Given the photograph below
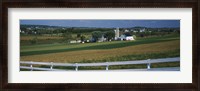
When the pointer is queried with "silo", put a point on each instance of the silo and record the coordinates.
(116, 33)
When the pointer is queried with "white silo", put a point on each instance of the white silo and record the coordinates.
(116, 33)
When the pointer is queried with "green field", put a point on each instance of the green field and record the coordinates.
(25, 40)
(142, 48)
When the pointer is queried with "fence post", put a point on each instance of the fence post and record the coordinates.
(51, 66)
(107, 66)
(148, 64)
(76, 67)
(31, 65)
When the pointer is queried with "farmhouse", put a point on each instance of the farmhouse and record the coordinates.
(126, 37)
(126, 30)
(142, 30)
(118, 36)
(102, 39)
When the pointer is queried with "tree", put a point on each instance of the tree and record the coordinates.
(109, 35)
(141, 35)
(96, 35)
(78, 35)
(67, 36)
(128, 34)
(34, 40)
(82, 38)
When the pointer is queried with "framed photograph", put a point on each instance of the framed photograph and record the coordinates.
(136, 45)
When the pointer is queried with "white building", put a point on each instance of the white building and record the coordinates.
(116, 33)
(129, 38)
(75, 41)
(102, 39)
(126, 30)
(142, 30)
(124, 37)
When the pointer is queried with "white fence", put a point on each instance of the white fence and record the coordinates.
(106, 64)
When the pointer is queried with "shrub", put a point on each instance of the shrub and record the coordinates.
(34, 40)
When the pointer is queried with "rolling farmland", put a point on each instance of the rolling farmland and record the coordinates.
(155, 47)
(120, 42)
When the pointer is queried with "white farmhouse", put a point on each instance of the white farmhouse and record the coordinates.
(142, 30)
(129, 38)
(124, 37)
(102, 39)
(126, 30)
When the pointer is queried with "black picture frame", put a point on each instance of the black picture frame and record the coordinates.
(194, 4)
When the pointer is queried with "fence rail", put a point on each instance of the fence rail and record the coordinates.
(106, 64)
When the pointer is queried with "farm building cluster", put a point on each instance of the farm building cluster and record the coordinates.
(119, 36)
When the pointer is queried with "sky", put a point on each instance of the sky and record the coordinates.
(105, 23)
